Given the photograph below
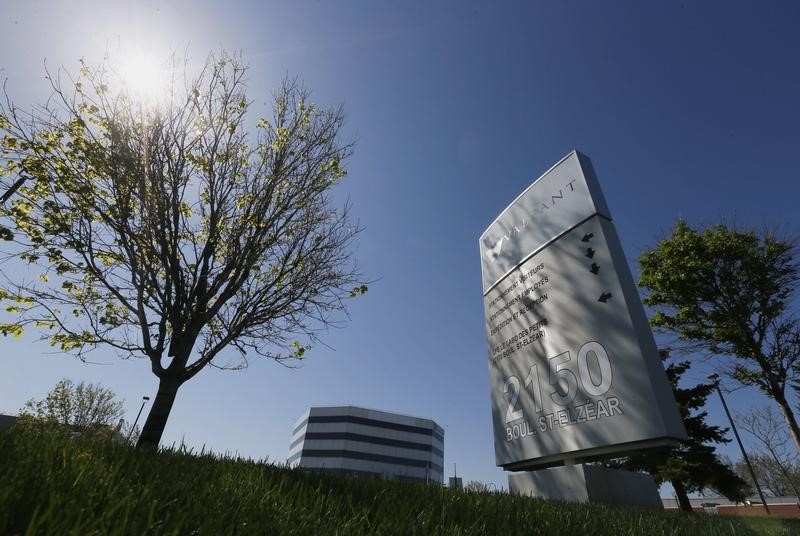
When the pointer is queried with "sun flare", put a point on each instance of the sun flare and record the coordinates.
(143, 76)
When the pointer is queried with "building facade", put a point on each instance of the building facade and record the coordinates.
(355, 440)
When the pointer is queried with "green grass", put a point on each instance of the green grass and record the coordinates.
(55, 485)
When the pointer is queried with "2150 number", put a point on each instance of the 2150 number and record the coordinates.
(563, 379)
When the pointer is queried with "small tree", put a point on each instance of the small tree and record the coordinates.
(173, 231)
(773, 442)
(729, 293)
(86, 409)
(693, 465)
(775, 479)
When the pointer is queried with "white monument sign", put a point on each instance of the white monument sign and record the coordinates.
(575, 373)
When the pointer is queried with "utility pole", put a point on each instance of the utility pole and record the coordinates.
(715, 378)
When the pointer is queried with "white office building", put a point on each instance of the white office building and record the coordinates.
(355, 440)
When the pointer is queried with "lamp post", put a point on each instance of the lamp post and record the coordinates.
(144, 401)
(715, 378)
(14, 187)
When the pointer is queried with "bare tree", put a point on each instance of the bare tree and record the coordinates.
(173, 231)
(769, 475)
(476, 486)
(769, 430)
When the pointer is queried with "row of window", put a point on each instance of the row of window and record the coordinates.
(369, 422)
(365, 456)
(362, 438)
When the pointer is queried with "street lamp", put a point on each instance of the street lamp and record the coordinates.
(144, 401)
(715, 378)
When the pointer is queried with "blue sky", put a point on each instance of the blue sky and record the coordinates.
(686, 110)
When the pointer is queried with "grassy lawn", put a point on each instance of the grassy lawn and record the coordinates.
(56, 485)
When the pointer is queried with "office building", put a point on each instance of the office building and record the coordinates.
(355, 440)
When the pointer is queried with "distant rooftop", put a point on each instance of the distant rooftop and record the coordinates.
(7, 421)
(377, 413)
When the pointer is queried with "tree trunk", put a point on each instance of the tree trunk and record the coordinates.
(159, 413)
(683, 497)
(788, 415)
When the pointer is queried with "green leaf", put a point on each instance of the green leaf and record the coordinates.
(13, 329)
(358, 291)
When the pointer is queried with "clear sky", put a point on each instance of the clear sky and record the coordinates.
(687, 109)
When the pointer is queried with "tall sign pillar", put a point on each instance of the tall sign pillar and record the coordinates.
(574, 371)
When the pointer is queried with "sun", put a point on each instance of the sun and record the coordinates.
(143, 76)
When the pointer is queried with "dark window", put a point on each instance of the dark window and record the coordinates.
(362, 438)
(369, 457)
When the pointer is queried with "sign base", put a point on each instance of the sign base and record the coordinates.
(587, 484)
